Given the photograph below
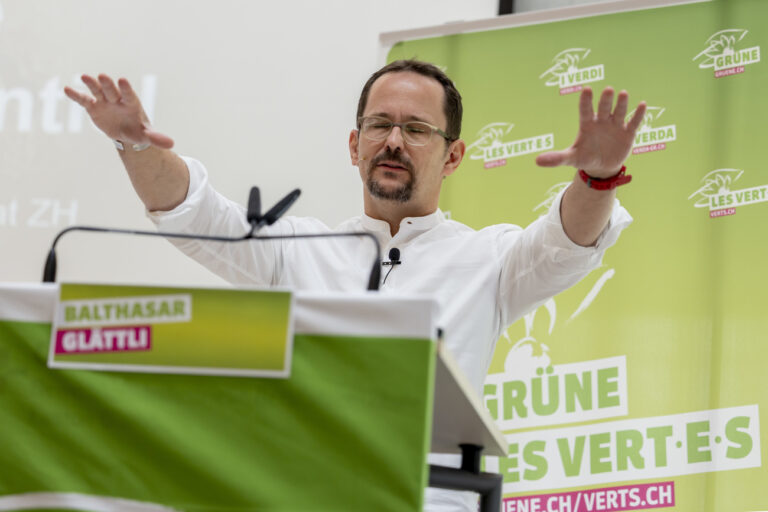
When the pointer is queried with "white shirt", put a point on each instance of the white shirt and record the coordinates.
(482, 280)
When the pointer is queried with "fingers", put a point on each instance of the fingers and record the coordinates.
(108, 88)
(621, 108)
(637, 118)
(126, 91)
(586, 113)
(94, 86)
(83, 100)
(103, 88)
(605, 104)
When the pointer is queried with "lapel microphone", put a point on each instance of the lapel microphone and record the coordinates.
(394, 259)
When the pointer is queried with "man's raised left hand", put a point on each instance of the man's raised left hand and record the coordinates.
(604, 139)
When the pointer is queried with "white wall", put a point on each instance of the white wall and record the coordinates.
(263, 92)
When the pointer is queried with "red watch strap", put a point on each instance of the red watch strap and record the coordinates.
(617, 180)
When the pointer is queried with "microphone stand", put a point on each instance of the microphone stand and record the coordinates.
(254, 218)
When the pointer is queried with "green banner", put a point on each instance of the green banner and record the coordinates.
(642, 386)
(173, 330)
(339, 434)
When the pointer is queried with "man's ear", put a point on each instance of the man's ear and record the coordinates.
(353, 147)
(453, 156)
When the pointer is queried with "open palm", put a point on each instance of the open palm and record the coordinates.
(604, 139)
(117, 111)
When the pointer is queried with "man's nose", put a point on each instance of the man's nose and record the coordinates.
(395, 138)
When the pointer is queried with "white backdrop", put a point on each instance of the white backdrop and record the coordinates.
(264, 93)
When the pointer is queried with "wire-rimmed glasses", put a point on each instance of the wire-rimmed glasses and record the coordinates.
(415, 133)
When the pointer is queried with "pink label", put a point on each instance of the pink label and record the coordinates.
(103, 339)
(721, 213)
(650, 147)
(571, 89)
(608, 499)
(729, 71)
(495, 163)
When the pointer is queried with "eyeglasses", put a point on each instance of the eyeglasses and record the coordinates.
(415, 133)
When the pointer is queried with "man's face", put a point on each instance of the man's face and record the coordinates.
(391, 169)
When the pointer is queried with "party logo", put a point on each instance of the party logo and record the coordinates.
(723, 54)
(492, 146)
(649, 137)
(568, 72)
(718, 194)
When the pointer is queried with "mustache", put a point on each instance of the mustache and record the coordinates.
(395, 157)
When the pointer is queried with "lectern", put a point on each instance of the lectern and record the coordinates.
(370, 392)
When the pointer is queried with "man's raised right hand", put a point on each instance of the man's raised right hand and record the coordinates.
(160, 177)
(117, 111)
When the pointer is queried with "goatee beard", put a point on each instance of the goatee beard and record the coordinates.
(401, 194)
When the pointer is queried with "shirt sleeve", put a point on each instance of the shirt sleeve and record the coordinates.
(206, 212)
(541, 261)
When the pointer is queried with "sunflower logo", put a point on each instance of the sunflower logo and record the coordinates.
(719, 44)
(488, 136)
(715, 183)
(563, 63)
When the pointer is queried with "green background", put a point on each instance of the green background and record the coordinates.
(686, 302)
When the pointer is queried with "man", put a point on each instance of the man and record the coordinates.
(406, 143)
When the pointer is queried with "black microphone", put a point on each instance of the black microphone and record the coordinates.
(253, 213)
(394, 259)
(252, 216)
(281, 207)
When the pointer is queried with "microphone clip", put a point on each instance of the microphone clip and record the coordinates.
(394, 258)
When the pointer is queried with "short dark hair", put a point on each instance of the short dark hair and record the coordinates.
(451, 103)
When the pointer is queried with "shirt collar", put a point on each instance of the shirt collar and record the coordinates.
(407, 224)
